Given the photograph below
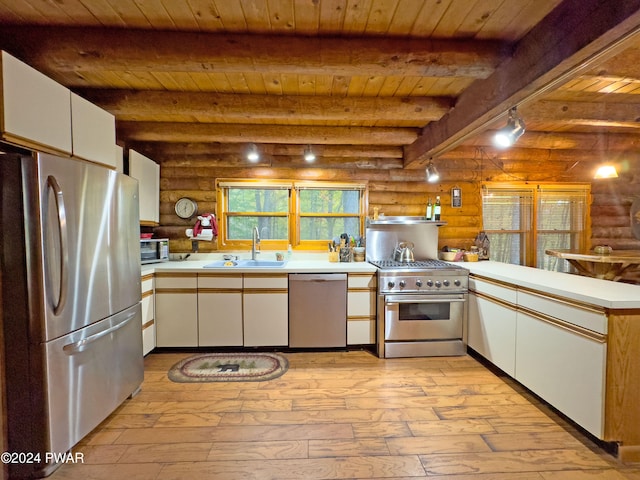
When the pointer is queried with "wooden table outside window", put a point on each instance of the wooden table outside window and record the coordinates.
(605, 266)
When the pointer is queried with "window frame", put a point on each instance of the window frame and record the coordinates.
(293, 215)
(530, 236)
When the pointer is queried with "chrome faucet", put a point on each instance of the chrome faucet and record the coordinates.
(255, 243)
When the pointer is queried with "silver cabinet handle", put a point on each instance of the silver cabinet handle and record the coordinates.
(75, 347)
(64, 250)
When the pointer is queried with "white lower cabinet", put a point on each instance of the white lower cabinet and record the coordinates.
(564, 366)
(361, 308)
(176, 310)
(220, 310)
(266, 310)
(492, 331)
(555, 347)
(148, 314)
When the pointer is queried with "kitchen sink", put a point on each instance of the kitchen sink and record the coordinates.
(247, 263)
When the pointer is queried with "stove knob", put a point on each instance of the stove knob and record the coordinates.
(445, 283)
(391, 284)
(418, 283)
(438, 284)
(457, 283)
(429, 283)
(402, 284)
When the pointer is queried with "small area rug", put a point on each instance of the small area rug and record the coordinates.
(229, 367)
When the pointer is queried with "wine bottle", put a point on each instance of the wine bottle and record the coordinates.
(429, 209)
(436, 209)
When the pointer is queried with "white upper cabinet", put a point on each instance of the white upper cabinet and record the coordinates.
(147, 172)
(36, 110)
(94, 132)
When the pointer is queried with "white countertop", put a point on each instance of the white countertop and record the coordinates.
(299, 263)
(604, 293)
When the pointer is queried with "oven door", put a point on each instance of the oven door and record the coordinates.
(424, 317)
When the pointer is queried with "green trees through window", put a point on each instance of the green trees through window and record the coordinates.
(300, 213)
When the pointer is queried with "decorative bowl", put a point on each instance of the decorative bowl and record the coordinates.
(602, 250)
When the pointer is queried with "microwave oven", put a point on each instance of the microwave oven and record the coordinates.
(154, 250)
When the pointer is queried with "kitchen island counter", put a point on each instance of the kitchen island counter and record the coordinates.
(603, 293)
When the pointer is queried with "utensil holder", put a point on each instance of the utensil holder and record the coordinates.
(334, 256)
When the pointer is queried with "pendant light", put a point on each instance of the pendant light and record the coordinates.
(252, 154)
(432, 173)
(309, 156)
(508, 135)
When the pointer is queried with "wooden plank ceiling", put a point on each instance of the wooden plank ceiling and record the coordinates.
(396, 82)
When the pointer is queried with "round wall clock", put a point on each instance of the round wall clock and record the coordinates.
(186, 208)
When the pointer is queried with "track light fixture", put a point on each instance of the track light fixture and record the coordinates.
(252, 154)
(508, 135)
(432, 173)
(309, 156)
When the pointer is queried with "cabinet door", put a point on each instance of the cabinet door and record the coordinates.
(220, 319)
(176, 311)
(266, 319)
(220, 311)
(36, 110)
(94, 132)
(148, 317)
(265, 309)
(492, 331)
(564, 367)
(147, 172)
(148, 327)
(176, 319)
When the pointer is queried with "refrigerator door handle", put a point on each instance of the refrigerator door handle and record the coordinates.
(64, 251)
(76, 347)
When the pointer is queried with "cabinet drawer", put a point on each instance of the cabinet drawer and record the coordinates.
(361, 304)
(497, 290)
(359, 280)
(266, 281)
(187, 280)
(222, 282)
(147, 284)
(147, 308)
(584, 316)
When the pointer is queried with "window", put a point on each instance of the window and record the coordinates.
(522, 221)
(304, 214)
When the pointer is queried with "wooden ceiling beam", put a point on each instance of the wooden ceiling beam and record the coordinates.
(583, 113)
(279, 161)
(594, 142)
(159, 150)
(249, 133)
(206, 106)
(572, 39)
(67, 50)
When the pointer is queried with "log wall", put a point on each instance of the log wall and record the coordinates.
(397, 191)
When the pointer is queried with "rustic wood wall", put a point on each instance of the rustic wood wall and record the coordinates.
(396, 191)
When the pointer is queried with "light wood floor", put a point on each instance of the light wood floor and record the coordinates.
(344, 415)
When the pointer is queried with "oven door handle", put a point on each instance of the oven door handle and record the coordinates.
(397, 301)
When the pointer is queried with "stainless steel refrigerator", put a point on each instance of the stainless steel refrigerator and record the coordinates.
(70, 300)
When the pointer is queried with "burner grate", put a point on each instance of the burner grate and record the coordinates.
(415, 265)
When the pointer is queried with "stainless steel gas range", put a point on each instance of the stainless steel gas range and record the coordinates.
(422, 304)
(422, 308)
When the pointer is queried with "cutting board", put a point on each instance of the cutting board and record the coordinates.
(635, 218)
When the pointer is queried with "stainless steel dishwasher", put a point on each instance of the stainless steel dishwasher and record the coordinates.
(317, 310)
